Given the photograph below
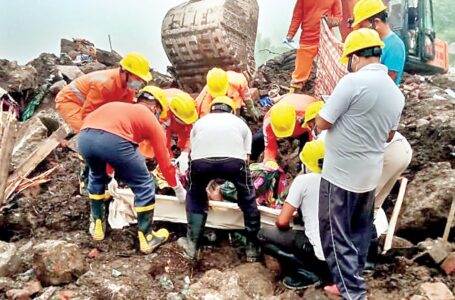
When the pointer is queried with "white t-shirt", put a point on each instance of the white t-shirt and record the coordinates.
(220, 135)
(304, 195)
(364, 107)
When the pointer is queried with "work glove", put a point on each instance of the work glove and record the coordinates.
(180, 192)
(182, 162)
(272, 165)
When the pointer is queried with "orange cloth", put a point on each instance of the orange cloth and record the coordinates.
(304, 62)
(307, 15)
(238, 91)
(300, 102)
(90, 92)
(135, 123)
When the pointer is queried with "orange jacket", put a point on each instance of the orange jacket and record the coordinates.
(308, 14)
(172, 126)
(135, 123)
(95, 89)
(300, 102)
(238, 90)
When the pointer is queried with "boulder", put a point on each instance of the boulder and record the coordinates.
(247, 281)
(9, 259)
(427, 202)
(45, 66)
(108, 58)
(57, 87)
(17, 79)
(70, 72)
(57, 262)
(92, 67)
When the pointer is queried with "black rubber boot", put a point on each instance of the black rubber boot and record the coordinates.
(149, 240)
(297, 276)
(252, 226)
(195, 232)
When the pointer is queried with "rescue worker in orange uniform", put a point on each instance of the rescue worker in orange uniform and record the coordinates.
(111, 135)
(181, 114)
(307, 15)
(285, 119)
(231, 84)
(88, 92)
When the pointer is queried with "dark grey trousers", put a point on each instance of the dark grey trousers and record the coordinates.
(345, 221)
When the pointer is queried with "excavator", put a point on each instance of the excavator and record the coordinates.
(200, 34)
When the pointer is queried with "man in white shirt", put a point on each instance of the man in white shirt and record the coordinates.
(220, 147)
(360, 116)
(299, 251)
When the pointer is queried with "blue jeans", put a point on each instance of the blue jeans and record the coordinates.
(99, 148)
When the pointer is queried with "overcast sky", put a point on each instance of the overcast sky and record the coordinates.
(30, 27)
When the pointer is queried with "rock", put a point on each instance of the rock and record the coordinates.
(398, 242)
(92, 67)
(9, 260)
(57, 87)
(7, 283)
(18, 294)
(33, 287)
(110, 289)
(418, 297)
(45, 66)
(236, 283)
(439, 251)
(422, 122)
(47, 293)
(70, 72)
(173, 296)
(449, 264)
(427, 202)
(57, 262)
(16, 78)
(436, 291)
(108, 58)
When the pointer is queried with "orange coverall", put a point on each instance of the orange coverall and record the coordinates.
(134, 123)
(300, 102)
(238, 91)
(86, 93)
(171, 126)
(307, 15)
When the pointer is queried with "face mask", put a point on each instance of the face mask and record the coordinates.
(135, 85)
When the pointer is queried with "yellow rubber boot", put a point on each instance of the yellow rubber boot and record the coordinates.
(97, 227)
(149, 240)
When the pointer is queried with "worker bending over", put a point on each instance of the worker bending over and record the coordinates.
(88, 92)
(307, 15)
(299, 251)
(360, 116)
(283, 120)
(220, 146)
(111, 135)
(373, 14)
(231, 84)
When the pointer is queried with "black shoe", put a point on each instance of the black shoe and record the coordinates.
(299, 283)
(369, 268)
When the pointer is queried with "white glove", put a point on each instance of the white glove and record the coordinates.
(183, 162)
(180, 192)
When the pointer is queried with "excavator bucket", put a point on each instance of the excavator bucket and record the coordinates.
(201, 34)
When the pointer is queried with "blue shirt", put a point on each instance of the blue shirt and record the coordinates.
(394, 55)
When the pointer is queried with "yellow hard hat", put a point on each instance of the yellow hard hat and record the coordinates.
(312, 110)
(217, 82)
(282, 119)
(184, 107)
(360, 39)
(224, 100)
(311, 153)
(151, 92)
(138, 65)
(365, 9)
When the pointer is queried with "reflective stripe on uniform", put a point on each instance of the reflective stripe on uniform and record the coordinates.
(145, 208)
(97, 197)
(77, 92)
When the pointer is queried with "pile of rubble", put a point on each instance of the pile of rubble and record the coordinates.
(46, 252)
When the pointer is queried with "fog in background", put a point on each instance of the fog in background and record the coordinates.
(30, 27)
